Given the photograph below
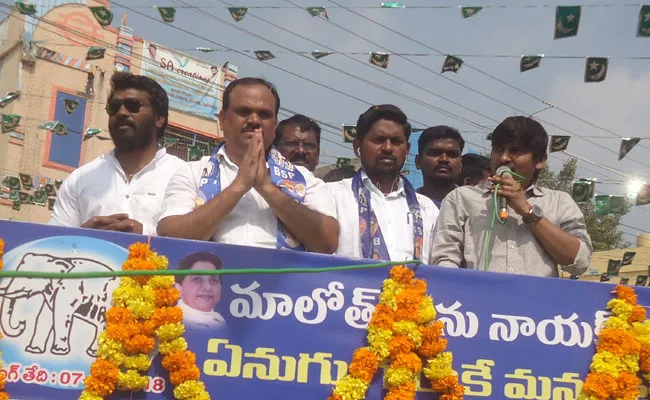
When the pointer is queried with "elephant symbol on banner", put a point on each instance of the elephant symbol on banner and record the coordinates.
(62, 301)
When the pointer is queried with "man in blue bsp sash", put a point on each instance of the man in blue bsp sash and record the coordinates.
(245, 192)
(381, 215)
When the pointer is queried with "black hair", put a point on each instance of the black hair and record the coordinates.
(474, 166)
(157, 95)
(249, 82)
(304, 123)
(189, 260)
(388, 112)
(529, 133)
(339, 174)
(439, 132)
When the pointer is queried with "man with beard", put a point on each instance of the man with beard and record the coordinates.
(123, 190)
(381, 215)
(298, 139)
(246, 192)
(439, 150)
(542, 229)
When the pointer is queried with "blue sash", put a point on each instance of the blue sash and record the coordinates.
(372, 241)
(283, 175)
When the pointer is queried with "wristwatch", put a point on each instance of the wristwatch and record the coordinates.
(534, 215)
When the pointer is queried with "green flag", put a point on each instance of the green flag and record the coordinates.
(168, 14)
(617, 205)
(567, 21)
(625, 281)
(379, 59)
(627, 144)
(60, 129)
(559, 143)
(316, 11)
(237, 13)
(70, 105)
(582, 192)
(613, 266)
(49, 189)
(628, 258)
(643, 29)
(530, 62)
(264, 55)
(169, 142)
(452, 64)
(25, 198)
(95, 53)
(596, 69)
(205, 49)
(10, 122)
(25, 8)
(16, 205)
(102, 14)
(8, 98)
(602, 204)
(27, 181)
(194, 153)
(11, 182)
(58, 183)
(50, 204)
(393, 4)
(13, 195)
(468, 12)
(349, 133)
(641, 280)
(40, 198)
(320, 54)
(340, 162)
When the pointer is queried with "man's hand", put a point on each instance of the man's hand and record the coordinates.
(513, 191)
(262, 178)
(128, 225)
(115, 222)
(248, 167)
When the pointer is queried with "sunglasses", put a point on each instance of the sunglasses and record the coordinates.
(132, 105)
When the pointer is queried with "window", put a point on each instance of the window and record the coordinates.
(124, 49)
(187, 145)
(65, 150)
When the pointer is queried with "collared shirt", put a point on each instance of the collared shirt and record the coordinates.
(464, 224)
(437, 203)
(252, 222)
(393, 216)
(101, 188)
(200, 319)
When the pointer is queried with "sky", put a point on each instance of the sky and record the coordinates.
(487, 88)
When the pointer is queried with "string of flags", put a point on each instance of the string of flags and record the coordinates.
(29, 189)
(561, 143)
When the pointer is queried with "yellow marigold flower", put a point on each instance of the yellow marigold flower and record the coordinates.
(189, 390)
(131, 380)
(85, 395)
(169, 332)
(388, 295)
(350, 388)
(427, 312)
(141, 309)
(614, 322)
(439, 366)
(409, 329)
(175, 346)
(398, 376)
(620, 308)
(161, 261)
(378, 339)
(642, 332)
(605, 362)
(140, 362)
(204, 395)
(165, 281)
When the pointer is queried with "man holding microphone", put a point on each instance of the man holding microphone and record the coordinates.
(535, 229)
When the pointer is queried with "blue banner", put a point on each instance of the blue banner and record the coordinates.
(287, 336)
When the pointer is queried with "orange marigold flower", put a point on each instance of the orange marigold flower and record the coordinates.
(628, 386)
(626, 293)
(364, 364)
(401, 274)
(407, 313)
(401, 392)
(430, 349)
(139, 250)
(599, 385)
(419, 287)
(410, 361)
(167, 297)
(446, 384)
(433, 331)
(191, 373)
(400, 345)
(140, 344)
(644, 359)
(119, 315)
(98, 387)
(4, 395)
(121, 332)
(334, 396)
(104, 370)
(454, 393)
(167, 315)
(618, 341)
(179, 360)
(638, 314)
(382, 317)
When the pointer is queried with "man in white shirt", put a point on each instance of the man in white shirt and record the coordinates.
(381, 215)
(123, 190)
(246, 193)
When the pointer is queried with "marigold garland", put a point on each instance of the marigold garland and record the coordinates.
(144, 311)
(3, 377)
(622, 350)
(402, 329)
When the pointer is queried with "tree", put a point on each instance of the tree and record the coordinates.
(604, 230)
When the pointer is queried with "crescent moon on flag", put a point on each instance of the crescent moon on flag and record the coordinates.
(600, 74)
(563, 29)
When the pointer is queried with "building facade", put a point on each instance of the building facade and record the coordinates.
(53, 61)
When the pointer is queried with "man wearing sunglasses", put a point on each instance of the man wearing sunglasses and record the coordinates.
(123, 190)
(298, 139)
(246, 192)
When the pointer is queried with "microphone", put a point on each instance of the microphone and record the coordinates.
(502, 201)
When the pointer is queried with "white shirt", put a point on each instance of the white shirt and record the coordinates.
(201, 319)
(393, 216)
(101, 188)
(252, 221)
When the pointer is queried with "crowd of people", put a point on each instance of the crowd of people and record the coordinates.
(257, 188)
